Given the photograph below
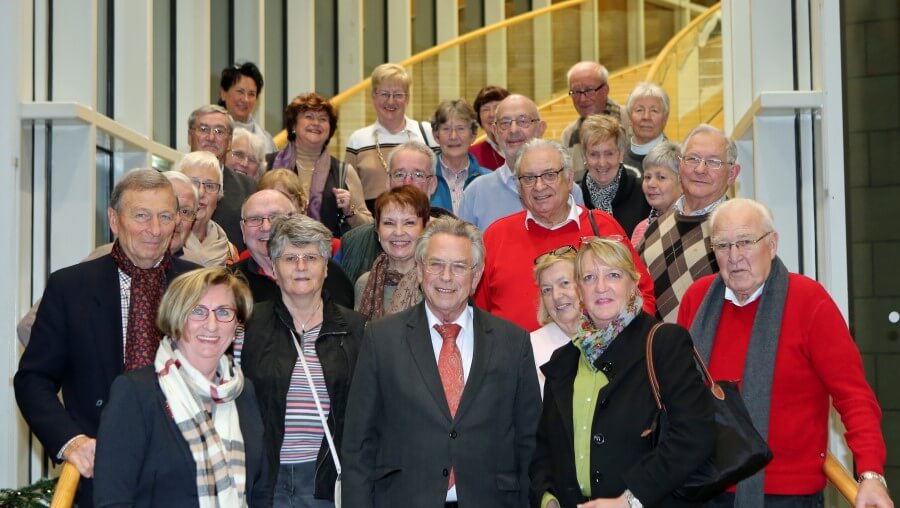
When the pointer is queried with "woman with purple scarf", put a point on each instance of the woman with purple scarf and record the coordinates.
(333, 187)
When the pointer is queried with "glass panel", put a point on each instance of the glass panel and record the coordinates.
(104, 188)
(163, 98)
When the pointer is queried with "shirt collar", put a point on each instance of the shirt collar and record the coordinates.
(679, 207)
(383, 130)
(463, 320)
(574, 214)
(731, 297)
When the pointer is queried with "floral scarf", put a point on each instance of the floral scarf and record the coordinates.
(405, 296)
(602, 196)
(593, 341)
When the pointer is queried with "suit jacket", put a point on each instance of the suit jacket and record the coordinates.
(143, 459)
(621, 457)
(236, 188)
(76, 347)
(399, 439)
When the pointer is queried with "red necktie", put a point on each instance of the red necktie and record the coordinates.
(451, 371)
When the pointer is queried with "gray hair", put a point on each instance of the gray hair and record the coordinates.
(201, 160)
(455, 109)
(141, 179)
(539, 144)
(181, 177)
(731, 152)
(602, 72)
(645, 89)
(664, 155)
(762, 211)
(256, 145)
(453, 227)
(412, 146)
(298, 230)
(210, 108)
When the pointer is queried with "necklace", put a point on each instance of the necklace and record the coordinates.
(381, 158)
(303, 326)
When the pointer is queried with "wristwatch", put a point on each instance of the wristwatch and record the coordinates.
(872, 475)
(631, 500)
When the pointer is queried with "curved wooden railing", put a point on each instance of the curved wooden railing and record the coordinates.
(66, 486)
(842, 480)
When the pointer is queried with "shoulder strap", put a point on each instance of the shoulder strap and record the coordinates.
(593, 222)
(322, 418)
(342, 175)
(654, 382)
(425, 136)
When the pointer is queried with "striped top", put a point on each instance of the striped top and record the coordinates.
(303, 431)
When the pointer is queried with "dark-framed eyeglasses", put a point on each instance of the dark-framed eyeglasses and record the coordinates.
(222, 314)
(743, 245)
(587, 92)
(559, 251)
(548, 177)
(257, 220)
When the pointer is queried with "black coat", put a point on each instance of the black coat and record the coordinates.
(143, 459)
(268, 357)
(629, 206)
(236, 188)
(620, 456)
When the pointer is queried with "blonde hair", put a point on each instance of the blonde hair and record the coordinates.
(597, 128)
(289, 184)
(542, 264)
(390, 72)
(186, 291)
(607, 251)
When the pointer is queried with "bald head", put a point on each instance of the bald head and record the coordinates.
(516, 121)
(262, 207)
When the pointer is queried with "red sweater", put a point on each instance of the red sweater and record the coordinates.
(487, 157)
(507, 287)
(816, 357)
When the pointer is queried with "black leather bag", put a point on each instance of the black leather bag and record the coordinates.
(740, 449)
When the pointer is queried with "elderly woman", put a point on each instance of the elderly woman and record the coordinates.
(391, 286)
(333, 188)
(207, 241)
(559, 307)
(247, 153)
(329, 337)
(661, 184)
(608, 185)
(368, 148)
(648, 111)
(186, 430)
(455, 127)
(239, 87)
(486, 152)
(597, 396)
(286, 182)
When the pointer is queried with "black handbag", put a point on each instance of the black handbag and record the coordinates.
(740, 450)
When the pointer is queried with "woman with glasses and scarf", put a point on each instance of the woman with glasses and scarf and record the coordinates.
(186, 430)
(593, 442)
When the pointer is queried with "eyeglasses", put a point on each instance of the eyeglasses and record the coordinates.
(187, 213)
(600, 239)
(523, 122)
(257, 220)
(144, 217)
(459, 130)
(692, 161)
(222, 314)
(294, 259)
(743, 246)
(210, 187)
(559, 251)
(585, 92)
(244, 157)
(435, 267)
(548, 177)
(416, 176)
(205, 130)
(386, 96)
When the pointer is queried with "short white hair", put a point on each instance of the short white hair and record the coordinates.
(761, 210)
(201, 160)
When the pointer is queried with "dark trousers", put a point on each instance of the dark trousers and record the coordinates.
(726, 500)
(295, 486)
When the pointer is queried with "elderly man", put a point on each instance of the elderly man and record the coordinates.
(676, 246)
(257, 214)
(411, 163)
(589, 90)
(97, 320)
(210, 129)
(444, 403)
(490, 197)
(784, 338)
(551, 219)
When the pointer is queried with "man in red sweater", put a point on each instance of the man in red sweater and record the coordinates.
(550, 220)
(784, 338)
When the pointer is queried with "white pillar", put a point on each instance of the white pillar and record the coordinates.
(447, 14)
(399, 27)
(192, 66)
(301, 47)
(350, 43)
(133, 69)
(74, 50)
(495, 42)
(543, 53)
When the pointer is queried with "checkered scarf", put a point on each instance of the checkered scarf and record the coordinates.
(215, 441)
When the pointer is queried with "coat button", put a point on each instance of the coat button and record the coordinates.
(453, 434)
(99, 402)
(445, 472)
(599, 439)
(598, 476)
(606, 368)
(604, 402)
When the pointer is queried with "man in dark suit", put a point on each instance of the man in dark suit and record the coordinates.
(444, 403)
(95, 319)
(209, 129)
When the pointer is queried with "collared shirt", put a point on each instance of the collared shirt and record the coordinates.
(679, 207)
(573, 215)
(125, 301)
(465, 341)
(456, 181)
(732, 297)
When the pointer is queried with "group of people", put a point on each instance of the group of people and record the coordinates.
(437, 322)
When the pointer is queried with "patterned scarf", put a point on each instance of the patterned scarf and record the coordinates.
(602, 196)
(593, 341)
(287, 159)
(216, 442)
(405, 296)
(147, 287)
